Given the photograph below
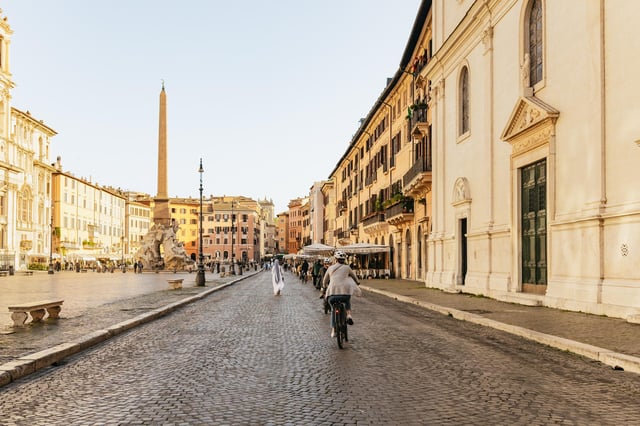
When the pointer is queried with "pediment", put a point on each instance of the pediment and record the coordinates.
(527, 114)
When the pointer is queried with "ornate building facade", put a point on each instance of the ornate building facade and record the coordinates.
(499, 159)
(25, 175)
(535, 133)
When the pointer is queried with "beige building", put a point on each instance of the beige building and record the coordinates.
(535, 132)
(267, 228)
(31, 196)
(89, 220)
(382, 183)
(328, 213)
(138, 222)
(282, 232)
(25, 175)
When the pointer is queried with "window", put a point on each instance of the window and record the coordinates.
(535, 42)
(464, 100)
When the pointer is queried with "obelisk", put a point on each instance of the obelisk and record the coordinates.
(161, 213)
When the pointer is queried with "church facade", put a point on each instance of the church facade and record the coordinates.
(536, 146)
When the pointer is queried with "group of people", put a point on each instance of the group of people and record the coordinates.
(338, 282)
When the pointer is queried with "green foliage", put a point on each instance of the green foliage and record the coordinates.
(38, 266)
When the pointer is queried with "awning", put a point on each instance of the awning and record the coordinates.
(318, 249)
(364, 248)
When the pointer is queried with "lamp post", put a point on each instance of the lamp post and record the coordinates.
(233, 255)
(200, 273)
(50, 271)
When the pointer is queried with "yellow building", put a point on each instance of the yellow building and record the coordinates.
(185, 213)
(382, 183)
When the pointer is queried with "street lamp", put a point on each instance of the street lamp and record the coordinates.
(200, 274)
(233, 255)
(50, 271)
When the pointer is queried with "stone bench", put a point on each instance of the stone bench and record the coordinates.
(36, 309)
(25, 272)
(175, 284)
(4, 273)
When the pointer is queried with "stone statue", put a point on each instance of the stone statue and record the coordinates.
(525, 70)
(175, 257)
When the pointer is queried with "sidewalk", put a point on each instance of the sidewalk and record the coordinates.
(611, 341)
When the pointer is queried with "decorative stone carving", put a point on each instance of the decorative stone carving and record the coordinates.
(175, 256)
(528, 113)
(525, 70)
(461, 191)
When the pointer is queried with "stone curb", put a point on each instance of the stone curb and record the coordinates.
(28, 364)
(613, 359)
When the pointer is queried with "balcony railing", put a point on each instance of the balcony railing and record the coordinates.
(400, 212)
(373, 219)
(418, 116)
(420, 166)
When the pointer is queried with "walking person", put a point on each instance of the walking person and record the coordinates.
(277, 278)
(135, 267)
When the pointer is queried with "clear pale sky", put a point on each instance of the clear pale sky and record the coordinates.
(268, 93)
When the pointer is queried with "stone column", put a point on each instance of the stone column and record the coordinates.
(161, 213)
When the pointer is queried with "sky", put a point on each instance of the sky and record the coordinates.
(267, 93)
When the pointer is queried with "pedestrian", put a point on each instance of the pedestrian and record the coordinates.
(135, 267)
(140, 266)
(277, 278)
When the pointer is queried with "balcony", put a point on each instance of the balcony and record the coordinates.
(374, 223)
(340, 233)
(400, 213)
(418, 178)
(341, 206)
(418, 120)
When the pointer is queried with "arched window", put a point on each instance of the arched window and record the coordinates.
(464, 100)
(535, 42)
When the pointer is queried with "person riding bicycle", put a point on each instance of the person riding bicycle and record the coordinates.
(342, 283)
(315, 272)
(303, 271)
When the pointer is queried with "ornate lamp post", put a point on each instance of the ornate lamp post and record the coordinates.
(233, 255)
(200, 273)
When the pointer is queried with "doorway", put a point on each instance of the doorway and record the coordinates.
(463, 251)
(534, 227)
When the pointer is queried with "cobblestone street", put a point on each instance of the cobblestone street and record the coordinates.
(244, 356)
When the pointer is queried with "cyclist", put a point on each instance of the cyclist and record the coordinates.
(315, 272)
(303, 271)
(343, 282)
(321, 273)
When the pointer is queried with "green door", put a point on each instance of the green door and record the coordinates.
(534, 227)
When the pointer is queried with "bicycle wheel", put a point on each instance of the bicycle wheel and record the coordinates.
(346, 337)
(338, 312)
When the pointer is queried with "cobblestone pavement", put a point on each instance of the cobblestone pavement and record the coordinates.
(244, 356)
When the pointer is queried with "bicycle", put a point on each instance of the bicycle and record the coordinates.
(339, 313)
